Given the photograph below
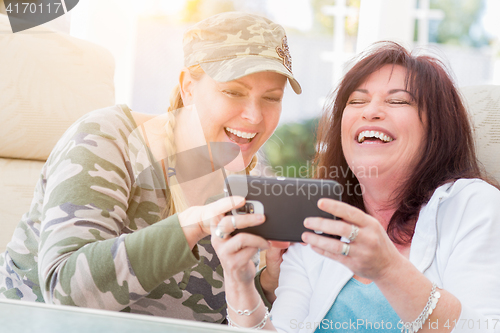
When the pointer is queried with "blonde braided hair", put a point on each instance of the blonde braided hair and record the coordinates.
(176, 201)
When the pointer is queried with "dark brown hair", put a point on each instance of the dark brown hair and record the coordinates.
(448, 153)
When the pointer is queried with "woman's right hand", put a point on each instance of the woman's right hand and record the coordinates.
(236, 252)
(196, 220)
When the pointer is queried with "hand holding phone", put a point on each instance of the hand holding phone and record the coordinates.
(285, 202)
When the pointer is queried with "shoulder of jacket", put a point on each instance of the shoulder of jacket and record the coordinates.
(464, 189)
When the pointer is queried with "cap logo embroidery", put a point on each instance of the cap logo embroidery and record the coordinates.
(284, 53)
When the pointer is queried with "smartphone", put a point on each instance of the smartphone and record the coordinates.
(285, 202)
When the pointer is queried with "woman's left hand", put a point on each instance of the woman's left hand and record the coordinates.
(370, 252)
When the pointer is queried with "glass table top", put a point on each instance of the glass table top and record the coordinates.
(24, 317)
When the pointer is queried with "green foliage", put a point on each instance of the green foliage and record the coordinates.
(461, 25)
(292, 147)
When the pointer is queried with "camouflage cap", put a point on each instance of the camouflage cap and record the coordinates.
(231, 45)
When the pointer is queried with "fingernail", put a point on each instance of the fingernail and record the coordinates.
(238, 199)
(307, 222)
(260, 217)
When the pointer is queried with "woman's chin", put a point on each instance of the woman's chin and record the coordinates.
(238, 164)
(368, 169)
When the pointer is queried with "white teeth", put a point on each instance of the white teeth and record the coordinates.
(241, 134)
(373, 134)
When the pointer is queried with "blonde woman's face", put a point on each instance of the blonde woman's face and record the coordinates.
(244, 111)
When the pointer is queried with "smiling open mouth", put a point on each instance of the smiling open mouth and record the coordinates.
(373, 136)
(239, 136)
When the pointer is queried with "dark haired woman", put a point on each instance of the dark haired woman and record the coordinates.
(420, 248)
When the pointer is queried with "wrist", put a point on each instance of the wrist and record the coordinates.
(239, 287)
(268, 285)
(242, 298)
(267, 281)
(393, 269)
(255, 326)
(193, 231)
(193, 234)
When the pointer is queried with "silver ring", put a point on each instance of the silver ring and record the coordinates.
(354, 233)
(219, 233)
(345, 249)
(233, 221)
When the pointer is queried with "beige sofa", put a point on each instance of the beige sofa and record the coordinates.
(47, 81)
(484, 106)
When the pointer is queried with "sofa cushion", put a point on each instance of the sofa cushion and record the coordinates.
(17, 184)
(48, 80)
(483, 103)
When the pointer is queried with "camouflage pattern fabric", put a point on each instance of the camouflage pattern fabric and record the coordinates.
(94, 238)
(231, 45)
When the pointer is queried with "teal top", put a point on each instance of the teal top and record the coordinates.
(360, 308)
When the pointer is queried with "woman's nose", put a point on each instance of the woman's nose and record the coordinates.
(252, 112)
(373, 111)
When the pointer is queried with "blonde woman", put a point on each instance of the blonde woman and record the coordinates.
(98, 236)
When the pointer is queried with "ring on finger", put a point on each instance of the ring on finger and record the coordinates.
(345, 249)
(233, 221)
(354, 233)
(219, 233)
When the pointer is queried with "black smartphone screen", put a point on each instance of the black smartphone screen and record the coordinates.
(285, 202)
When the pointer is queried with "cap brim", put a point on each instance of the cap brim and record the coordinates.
(232, 69)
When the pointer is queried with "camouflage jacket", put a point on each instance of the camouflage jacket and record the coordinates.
(93, 238)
